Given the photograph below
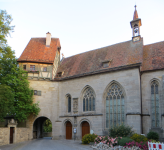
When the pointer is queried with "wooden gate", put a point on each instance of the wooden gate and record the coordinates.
(11, 134)
(85, 128)
(68, 130)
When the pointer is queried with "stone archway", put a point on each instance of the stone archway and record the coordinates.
(68, 130)
(38, 127)
(85, 128)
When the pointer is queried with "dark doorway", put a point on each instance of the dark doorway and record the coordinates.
(11, 134)
(68, 130)
(38, 131)
(85, 128)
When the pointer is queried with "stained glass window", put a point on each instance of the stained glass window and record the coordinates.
(155, 104)
(69, 103)
(88, 100)
(114, 106)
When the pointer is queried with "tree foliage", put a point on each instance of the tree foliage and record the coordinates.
(47, 127)
(16, 98)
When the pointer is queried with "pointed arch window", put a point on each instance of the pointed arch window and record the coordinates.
(88, 100)
(69, 103)
(114, 106)
(155, 104)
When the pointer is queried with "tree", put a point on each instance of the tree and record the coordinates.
(16, 98)
(47, 127)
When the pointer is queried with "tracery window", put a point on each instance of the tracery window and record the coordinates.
(155, 104)
(69, 103)
(88, 100)
(114, 106)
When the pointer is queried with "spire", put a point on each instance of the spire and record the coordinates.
(135, 14)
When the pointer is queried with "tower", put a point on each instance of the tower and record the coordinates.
(135, 25)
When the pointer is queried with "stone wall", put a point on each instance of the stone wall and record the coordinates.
(130, 82)
(4, 136)
(146, 80)
(22, 134)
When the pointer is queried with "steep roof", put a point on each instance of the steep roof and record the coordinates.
(121, 54)
(153, 56)
(36, 51)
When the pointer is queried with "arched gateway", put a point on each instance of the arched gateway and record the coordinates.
(38, 127)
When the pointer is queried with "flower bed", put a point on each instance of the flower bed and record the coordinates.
(106, 140)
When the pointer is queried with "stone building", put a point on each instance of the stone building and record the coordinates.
(92, 91)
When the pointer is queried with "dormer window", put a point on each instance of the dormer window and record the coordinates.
(59, 74)
(106, 63)
(32, 67)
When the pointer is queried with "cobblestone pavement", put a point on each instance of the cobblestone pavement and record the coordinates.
(47, 144)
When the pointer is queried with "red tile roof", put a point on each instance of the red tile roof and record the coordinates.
(36, 51)
(121, 54)
(153, 56)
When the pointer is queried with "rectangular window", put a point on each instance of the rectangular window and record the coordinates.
(44, 69)
(39, 93)
(32, 67)
(35, 92)
(24, 67)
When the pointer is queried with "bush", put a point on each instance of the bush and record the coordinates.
(122, 141)
(138, 138)
(120, 131)
(88, 138)
(106, 140)
(141, 145)
(153, 135)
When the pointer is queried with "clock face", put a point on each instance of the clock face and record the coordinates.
(136, 39)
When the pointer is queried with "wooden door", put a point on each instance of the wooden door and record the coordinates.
(68, 130)
(85, 128)
(11, 134)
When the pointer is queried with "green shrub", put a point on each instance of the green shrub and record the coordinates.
(122, 141)
(154, 141)
(121, 131)
(88, 138)
(153, 135)
(138, 138)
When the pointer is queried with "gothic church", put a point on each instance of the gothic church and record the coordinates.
(92, 91)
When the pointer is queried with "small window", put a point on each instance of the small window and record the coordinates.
(35, 92)
(59, 74)
(39, 93)
(106, 64)
(32, 67)
(69, 103)
(44, 69)
(24, 67)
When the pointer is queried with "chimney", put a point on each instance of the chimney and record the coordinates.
(48, 39)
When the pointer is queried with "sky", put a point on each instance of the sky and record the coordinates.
(82, 25)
